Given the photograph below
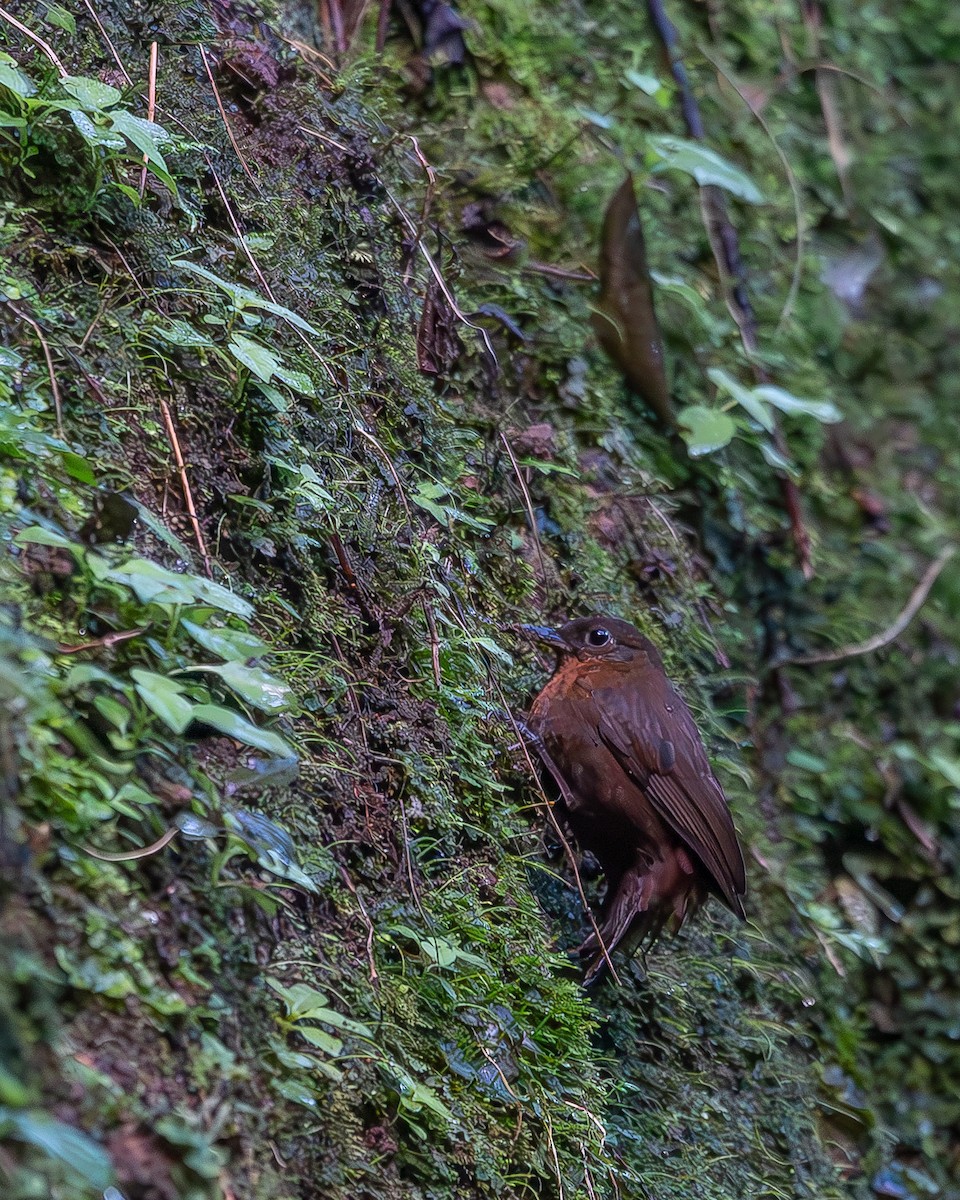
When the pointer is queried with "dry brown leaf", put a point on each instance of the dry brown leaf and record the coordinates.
(625, 321)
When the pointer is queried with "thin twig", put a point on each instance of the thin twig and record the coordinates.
(144, 852)
(528, 504)
(105, 642)
(390, 467)
(878, 641)
(185, 483)
(435, 270)
(37, 41)
(522, 735)
(351, 693)
(427, 202)
(55, 390)
(812, 16)
(151, 104)
(106, 37)
(348, 882)
(226, 123)
(407, 856)
(244, 246)
(434, 644)
(585, 275)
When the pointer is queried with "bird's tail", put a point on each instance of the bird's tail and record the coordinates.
(634, 916)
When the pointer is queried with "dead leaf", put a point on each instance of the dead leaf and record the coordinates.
(625, 321)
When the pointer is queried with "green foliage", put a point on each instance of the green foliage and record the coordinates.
(73, 131)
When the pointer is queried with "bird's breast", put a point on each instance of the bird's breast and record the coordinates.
(608, 811)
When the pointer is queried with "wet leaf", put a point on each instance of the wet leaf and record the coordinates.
(237, 727)
(90, 93)
(299, 381)
(233, 645)
(80, 1152)
(254, 356)
(155, 584)
(96, 135)
(705, 165)
(14, 79)
(625, 321)
(145, 135)
(705, 429)
(162, 696)
(823, 410)
(179, 333)
(254, 685)
(272, 845)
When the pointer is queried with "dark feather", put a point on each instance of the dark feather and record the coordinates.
(634, 723)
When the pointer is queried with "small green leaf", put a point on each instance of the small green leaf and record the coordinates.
(780, 398)
(705, 165)
(90, 94)
(145, 135)
(744, 396)
(295, 1091)
(773, 458)
(60, 18)
(949, 768)
(217, 596)
(154, 584)
(600, 120)
(233, 645)
(78, 467)
(36, 535)
(321, 1039)
(80, 1152)
(95, 134)
(422, 1096)
(254, 685)
(805, 761)
(299, 997)
(300, 381)
(179, 333)
(14, 79)
(244, 297)
(237, 727)
(705, 429)
(254, 356)
(649, 84)
(162, 696)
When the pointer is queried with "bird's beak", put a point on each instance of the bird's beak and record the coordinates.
(543, 633)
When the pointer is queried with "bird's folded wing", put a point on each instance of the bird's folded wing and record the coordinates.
(655, 739)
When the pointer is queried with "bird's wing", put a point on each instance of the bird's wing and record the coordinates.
(653, 736)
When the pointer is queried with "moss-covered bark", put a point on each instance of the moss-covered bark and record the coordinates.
(338, 362)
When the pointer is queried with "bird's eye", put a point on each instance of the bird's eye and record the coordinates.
(598, 637)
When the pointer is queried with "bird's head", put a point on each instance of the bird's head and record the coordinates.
(596, 637)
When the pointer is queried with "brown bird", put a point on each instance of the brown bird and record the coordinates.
(635, 783)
